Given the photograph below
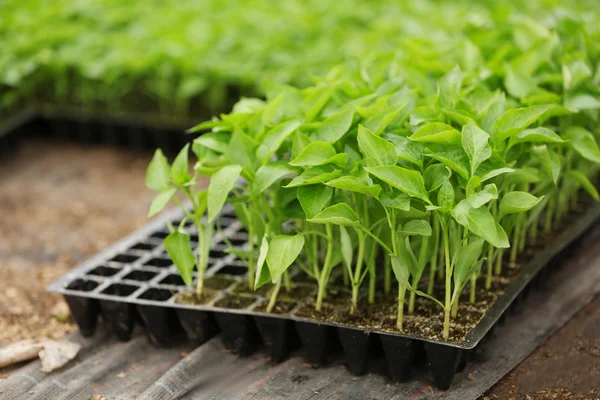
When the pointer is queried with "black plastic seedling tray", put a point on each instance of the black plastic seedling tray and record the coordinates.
(133, 130)
(133, 283)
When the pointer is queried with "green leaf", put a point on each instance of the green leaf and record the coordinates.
(584, 182)
(179, 169)
(436, 132)
(319, 153)
(549, 161)
(177, 245)
(401, 269)
(158, 174)
(535, 135)
(418, 227)
(434, 176)
(283, 251)
(454, 158)
(242, 150)
(519, 85)
(274, 138)
(314, 198)
(581, 102)
(495, 172)
(584, 143)
(405, 180)
(221, 183)
(397, 200)
(160, 201)
(517, 202)
(407, 150)
(475, 144)
(480, 222)
(355, 184)
(262, 275)
(446, 195)
(216, 141)
(449, 88)
(466, 261)
(515, 120)
(347, 249)
(318, 174)
(487, 194)
(338, 214)
(336, 126)
(269, 174)
(377, 151)
(575, 73)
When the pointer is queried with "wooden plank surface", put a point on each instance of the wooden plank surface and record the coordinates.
(138, 370)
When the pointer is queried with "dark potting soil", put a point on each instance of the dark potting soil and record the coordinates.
(191, 298)
(286, 300)
(218, 283)
(235, 302)
(242, 288)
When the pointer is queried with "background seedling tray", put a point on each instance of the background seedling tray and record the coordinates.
(134, 281)
(134, 130)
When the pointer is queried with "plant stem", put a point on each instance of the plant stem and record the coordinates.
(273, 297)
(447, 305)
(473, 292)
(549, 214)
(326, 269)
(357, 271)
(499, 256)
(387, 283)
(400, 318)
(422, 262)
(515, 242)
(434, 257)
(490, 267)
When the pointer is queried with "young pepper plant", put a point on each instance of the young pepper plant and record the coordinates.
(168, 180)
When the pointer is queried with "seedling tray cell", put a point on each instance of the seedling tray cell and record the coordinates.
(134, 284)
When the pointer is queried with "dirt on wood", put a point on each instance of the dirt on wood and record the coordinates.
(60, 204)
(567, 366)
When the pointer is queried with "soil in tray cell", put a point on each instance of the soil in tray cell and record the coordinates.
(190, 297)
(286, 301)
(235, 302)
(218, 282)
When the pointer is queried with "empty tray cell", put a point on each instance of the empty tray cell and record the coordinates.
(237, 241)
(194, 238)
(160, 234)
(82, 285)
(120, 289)
(218, 253)
(156, 294)
(142, 246)
(159, 262)
(172, 279)
(124, 258)
(232, 270)
(104, 271)
(139, 275)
